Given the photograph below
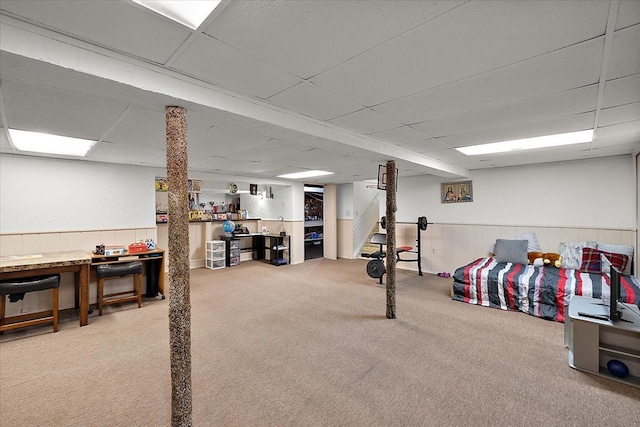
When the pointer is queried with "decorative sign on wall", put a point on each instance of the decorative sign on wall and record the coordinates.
(161, 184)
(456, 192)
(253, 189)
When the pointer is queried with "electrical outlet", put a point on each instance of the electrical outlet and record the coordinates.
(433, 250)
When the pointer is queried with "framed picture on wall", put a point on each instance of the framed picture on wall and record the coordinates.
(456, 192)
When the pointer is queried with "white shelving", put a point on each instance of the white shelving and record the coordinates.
(593, 343)
(215, 258)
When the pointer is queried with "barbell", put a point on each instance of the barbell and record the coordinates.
(422, 222)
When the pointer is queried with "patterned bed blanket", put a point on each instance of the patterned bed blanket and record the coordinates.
(539, 291)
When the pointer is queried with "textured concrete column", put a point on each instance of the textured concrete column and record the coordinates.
(179, 275)
(391, 239)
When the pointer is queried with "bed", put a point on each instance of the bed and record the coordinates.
(540, 291)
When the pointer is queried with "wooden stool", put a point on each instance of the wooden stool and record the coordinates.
(106, 271)
(16, 289)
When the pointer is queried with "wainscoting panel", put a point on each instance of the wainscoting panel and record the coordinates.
(448, 246)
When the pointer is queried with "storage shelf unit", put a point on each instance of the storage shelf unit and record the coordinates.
(232, 254)
(277, 249)
(215, 257)
(593, 342)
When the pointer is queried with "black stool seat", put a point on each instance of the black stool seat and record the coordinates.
(114, 270)
(106, 271)
(29, 284)
(16, 288)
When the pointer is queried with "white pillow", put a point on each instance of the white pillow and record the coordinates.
(530, 237)
(571, 253)
(619, 249)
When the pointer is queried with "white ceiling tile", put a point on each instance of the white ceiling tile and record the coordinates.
(264, 167)
(614, 150)
(223, 141)
(400, 135)
(365, 121)
(117, 25)
(623, 140)
(314, 159)
(156, 160)
(621, 91)
(425, 146)
(469, 40)
(622, 63)
(621, 114)
(311, 100)
(44, 110)
(328, 145)
(128, 129)
(628, 13)
(121, 153)
(221, 164)
(256, 27)
(540, 109)
(628, 128)
(222, 65)
(527, 130)
(272, 150)
(558, 71)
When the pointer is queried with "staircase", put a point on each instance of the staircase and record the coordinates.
(369, 248)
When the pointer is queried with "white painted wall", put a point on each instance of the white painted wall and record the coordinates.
(345, 201)
(269, 209)
(587, 193)
(38, 194)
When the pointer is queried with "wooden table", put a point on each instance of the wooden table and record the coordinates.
(78, 262)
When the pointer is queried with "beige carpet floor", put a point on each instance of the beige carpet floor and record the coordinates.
(308, 345)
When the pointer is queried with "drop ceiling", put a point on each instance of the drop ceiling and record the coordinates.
(274, 87)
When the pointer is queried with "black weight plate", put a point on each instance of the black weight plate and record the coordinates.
(383, 222)
(375, 268)
(422, 223)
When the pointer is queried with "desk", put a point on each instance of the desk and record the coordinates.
(54, 263)
(145, 258)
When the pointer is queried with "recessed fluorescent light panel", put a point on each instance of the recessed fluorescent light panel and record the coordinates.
(529, 143)
(189, 13)
(50, 144)
(305, 174)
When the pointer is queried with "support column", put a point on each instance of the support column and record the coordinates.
(179, 275)
(391, 239)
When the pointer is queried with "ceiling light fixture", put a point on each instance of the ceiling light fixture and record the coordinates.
(189, 13)
(50, 144)
(305, 174)
(529, 143)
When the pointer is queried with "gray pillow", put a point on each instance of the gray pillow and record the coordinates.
(513, 251)
(530, 237)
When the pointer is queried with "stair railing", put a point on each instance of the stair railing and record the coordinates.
(364, 225)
